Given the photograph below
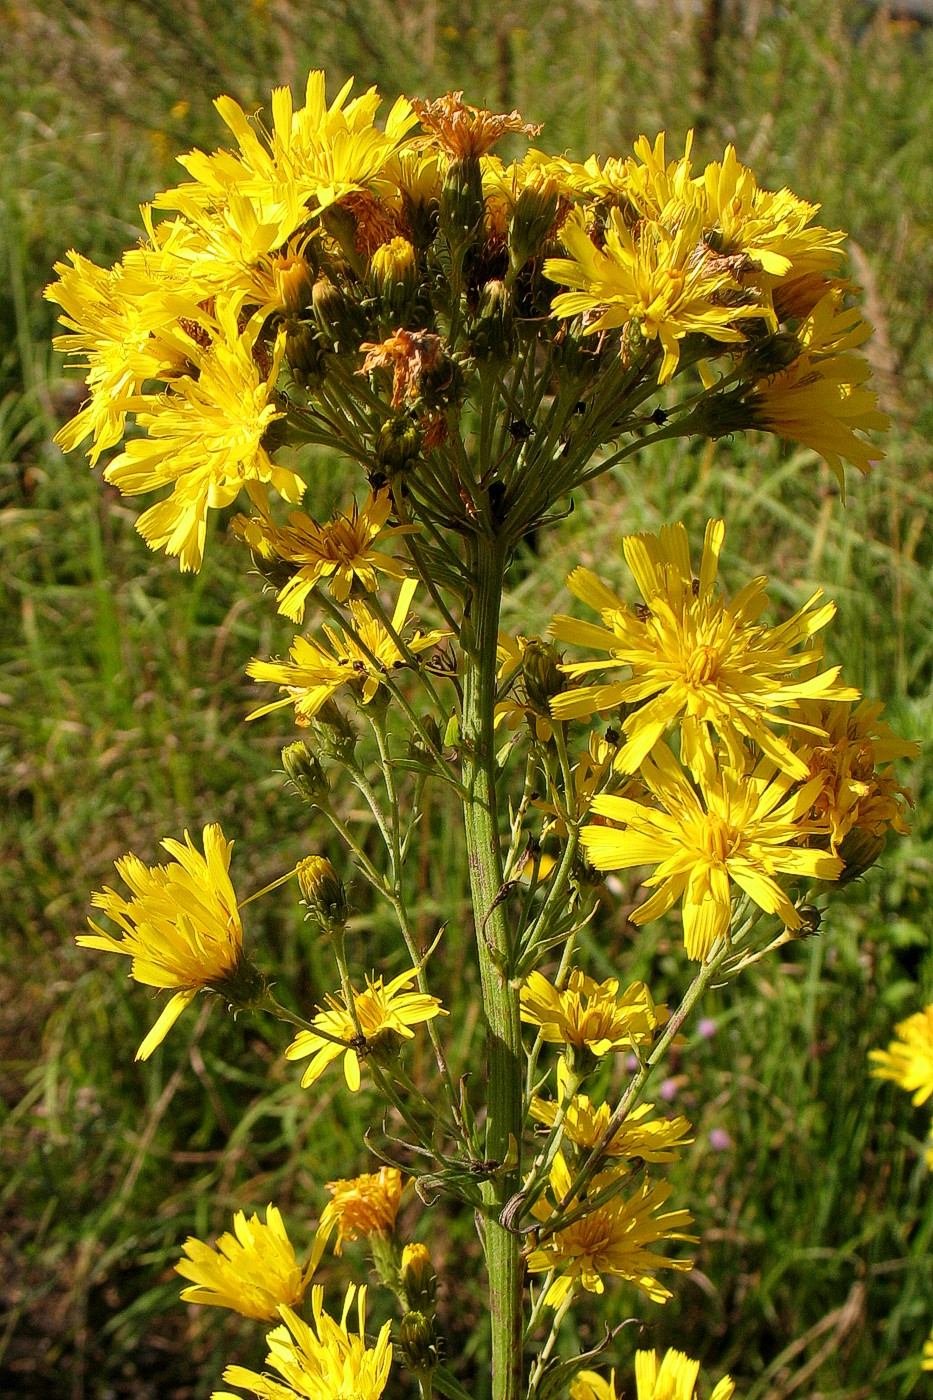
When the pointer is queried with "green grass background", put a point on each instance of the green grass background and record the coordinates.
(122, 696)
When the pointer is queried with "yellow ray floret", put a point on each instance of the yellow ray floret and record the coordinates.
(654, 278)
(361, 657)
(738, 828)
(379, 1013)
(362, 1205)
(822, 399)
(696, 656)
(674, 1377)
(205, 439)
(339, 552)
(583, 1123)
(591, 1014)
(181, 925)
(909, 1059)
(253, 1271)
(616, 1239)
(324, 1361)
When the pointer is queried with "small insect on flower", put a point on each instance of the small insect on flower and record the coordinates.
(181, 927)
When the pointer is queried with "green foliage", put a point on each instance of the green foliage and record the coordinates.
(123, 692)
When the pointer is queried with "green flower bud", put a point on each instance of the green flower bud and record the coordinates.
(492, 334)
(341, 321)
(859, 850)
(769, 355)
(417, 1279)
(340, 223)
(304, 772)
(398, 443)
(543, 677)
(334, 733)
(534, 213)
(393, 275)
(461, 215)
(324, 893)
(303, 354)
(419, 1343)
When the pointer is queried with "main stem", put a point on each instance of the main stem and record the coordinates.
(500, 995)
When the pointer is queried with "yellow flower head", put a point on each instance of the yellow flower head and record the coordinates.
(674, 1378)
(590, 1385)
(326, 1361)
(462, 131)
(909, 1059)
(650, 1139)
(181, 927)
(856, 791)
(822, 399)
(205, 438)
(770, 228)
(361, 658)
(117, 320)
(253, 1271)
(338, 551)
(591, 1015)
(612, 1240)
(382, 1012)
(693, 655)
(315, 155)
(652, 278)
(363, 1205)
(742, 828)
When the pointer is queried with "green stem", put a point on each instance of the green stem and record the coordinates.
(495, 952)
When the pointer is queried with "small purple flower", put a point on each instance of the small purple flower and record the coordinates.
(706, 1027)
(631, 1063)
(668, 1090)
(719, 1140)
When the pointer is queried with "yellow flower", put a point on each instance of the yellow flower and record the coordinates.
(205, 439)
(821, 399)
(363, 657)
(909, 1059)
(693, 653)
(382, 1013)
(590, 1385)
(655, 280)
(181, 927)
(315, 154)
(326, 1361)
(654, 1140)
(362, 1205)
(613, 1240)
(855, 794)
(117, 319)
(768, 227)
(253, 1271)
(590, 1014)
(674, 1378)
(338, 551)
(741, 827)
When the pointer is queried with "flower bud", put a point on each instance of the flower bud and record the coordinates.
(859, 849)
(293, 278)
(417, 1279)
(342, 322)
(543, 676)
(304, 772)
(721, 414)
(334, 733)
(462, 210)
(398, 443)
(417, 748)
(492, 335)
(340, 222)
(534, 213)
(419, 1343)
(769, 355)
(303, 354)
(324, 893)
(393, 276)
